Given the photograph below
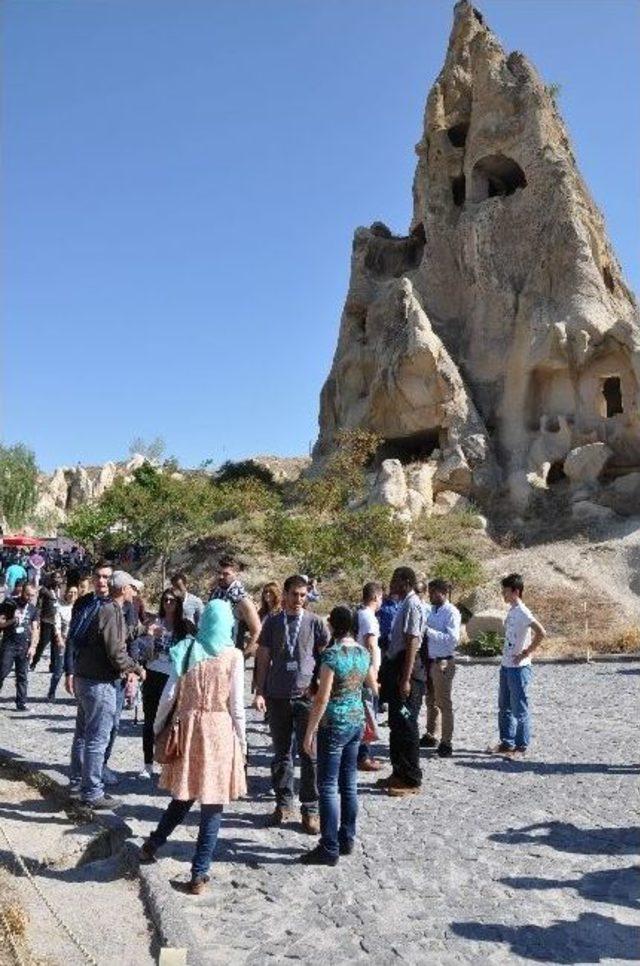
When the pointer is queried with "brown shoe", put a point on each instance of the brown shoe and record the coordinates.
(198, 885)
(369, 764)
(384, 782)
(279, 816)
(398, 789)
(310, 824)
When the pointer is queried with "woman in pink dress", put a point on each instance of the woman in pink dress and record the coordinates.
(206, 691)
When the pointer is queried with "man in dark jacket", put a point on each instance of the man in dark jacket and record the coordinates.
(100, 660)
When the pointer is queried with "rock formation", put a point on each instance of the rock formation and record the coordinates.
(498, 339)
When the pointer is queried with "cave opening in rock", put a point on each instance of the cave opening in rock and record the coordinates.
(612, 392)
(457, 134)
(608, 278)
(408, 449)
(459, 190)
(496, 176)
(556, 473)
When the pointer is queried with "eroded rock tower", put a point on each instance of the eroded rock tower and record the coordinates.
(497, 345)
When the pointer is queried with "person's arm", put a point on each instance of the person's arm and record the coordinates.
(263, 659)
(449, 637)
(318, 707)
(236, 702)
(247, 612)
(538, 636)
(411, 650)
(371, 680)
(113, 634)
(167, 701)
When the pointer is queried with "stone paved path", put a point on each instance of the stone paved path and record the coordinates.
(496, 862)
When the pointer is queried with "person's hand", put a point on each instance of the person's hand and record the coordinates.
(31, 653)
(405, 688)
(518, 658)
(250, 650)
(156, 630)
(309, 744)
(68, 684)
(259, 703)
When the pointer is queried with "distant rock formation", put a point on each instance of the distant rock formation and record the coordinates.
(498, 338)
(69, 487)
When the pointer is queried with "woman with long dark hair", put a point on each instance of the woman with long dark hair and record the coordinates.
(153, 652)
(337, 715)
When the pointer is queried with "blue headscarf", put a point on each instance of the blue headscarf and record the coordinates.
(215, 633)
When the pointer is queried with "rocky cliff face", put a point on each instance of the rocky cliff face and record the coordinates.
(498, 338)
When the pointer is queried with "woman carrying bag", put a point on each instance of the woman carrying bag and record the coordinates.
(200, 735)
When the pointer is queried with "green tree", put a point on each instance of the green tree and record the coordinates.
(344, 475)
(18, 483)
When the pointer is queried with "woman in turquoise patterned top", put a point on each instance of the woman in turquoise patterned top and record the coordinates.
(337, 715)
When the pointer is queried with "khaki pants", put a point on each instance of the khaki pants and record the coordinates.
(439, 706)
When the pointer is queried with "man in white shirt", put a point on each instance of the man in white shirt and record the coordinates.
(442, 637)
(368, 636)
(523, 635)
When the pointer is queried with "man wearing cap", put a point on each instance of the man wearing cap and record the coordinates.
(100, 661)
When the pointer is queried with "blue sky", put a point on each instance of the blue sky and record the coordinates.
(182, 179)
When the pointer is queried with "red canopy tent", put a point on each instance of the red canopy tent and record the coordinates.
(21, 540)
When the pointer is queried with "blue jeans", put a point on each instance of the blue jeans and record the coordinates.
(210, 818)
(94, 722)
(57, 669)
(338, 786)
(514, 719)
(119, 685)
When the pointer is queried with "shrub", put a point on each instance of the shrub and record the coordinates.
(487, 644)
(460, 568)
(231, 472)
(343, 477)
(355, 542)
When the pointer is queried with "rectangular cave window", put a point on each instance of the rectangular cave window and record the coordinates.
(612, 392)
(459, 190)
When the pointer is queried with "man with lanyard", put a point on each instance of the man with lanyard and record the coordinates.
(441, 638)
(290, 643)
(229, 588)
(17, 623)
(402, 677)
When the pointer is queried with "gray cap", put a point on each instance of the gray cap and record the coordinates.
(120, 579)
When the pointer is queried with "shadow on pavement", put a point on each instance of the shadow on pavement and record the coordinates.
(550, 767)
(566, 837)
(619, 887)
(591, 938)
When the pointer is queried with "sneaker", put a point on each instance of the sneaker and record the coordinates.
(398, 789)
(428, 742)
(444, 750)
(310, 824)
(106, 803)
(147, 772)
(109, 777)
(346, 848)
(279, 816)
(318, 856)
(369, 764)
(522, 750)
(198, 885)
(148, 852)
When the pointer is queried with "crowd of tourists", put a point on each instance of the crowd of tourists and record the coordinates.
(321, 684)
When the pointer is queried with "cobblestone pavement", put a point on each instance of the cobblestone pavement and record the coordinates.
(495, 862)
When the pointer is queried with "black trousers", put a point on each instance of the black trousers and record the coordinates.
(288, 719)
(152, 688)
(404, 734)
(14, 655)
(46, 637)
